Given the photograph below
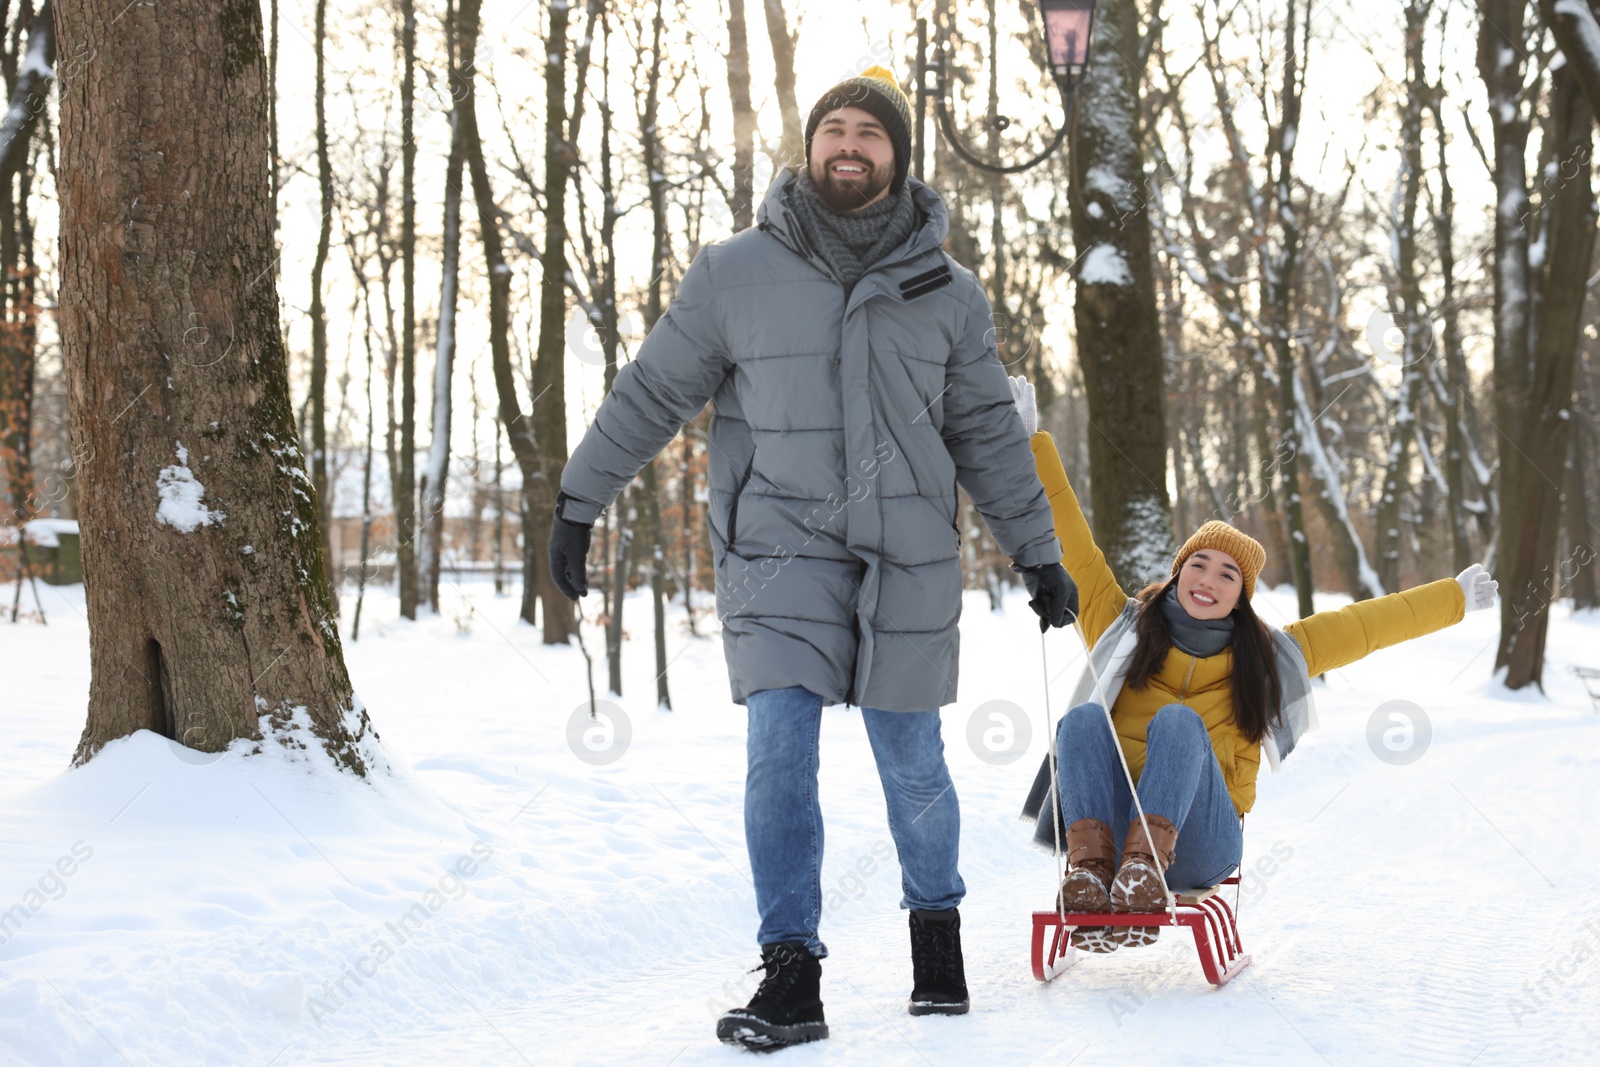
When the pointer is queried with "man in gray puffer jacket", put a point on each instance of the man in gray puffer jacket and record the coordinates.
(855, 383)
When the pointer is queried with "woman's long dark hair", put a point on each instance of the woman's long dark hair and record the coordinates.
(1257, 690)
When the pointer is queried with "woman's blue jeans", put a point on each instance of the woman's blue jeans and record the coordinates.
(783, 818)
(1180, 782)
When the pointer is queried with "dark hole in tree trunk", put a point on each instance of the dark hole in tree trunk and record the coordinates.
(161, 711)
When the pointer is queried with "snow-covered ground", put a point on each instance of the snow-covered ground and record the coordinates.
(494, 898)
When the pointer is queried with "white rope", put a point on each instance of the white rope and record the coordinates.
(1055, 796)
(1105, 707)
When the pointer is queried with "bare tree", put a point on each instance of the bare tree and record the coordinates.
(30, 91)
(319, 317)
(1539, 297)
(742, 203)
(194, 483)
(1415, 323)
(1118, 326)
(403, 473)
(437, 467)
(791, 149)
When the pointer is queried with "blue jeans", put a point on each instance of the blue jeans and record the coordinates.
(1180, 782)
(783, 819)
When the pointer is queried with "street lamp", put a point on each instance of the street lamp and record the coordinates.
(1068, 30)
(1067, 25)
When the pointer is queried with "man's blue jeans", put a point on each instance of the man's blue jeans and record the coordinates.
(783, 818)
(1180, 782)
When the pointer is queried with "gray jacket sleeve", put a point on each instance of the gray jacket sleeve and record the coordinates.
(985, 437)
(678, 368)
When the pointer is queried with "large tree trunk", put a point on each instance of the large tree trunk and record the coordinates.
(1119, 332)
(1531, 503)
(207, 597)
(437, 468)
(1501, 41)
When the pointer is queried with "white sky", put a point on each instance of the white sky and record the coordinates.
(835, 40)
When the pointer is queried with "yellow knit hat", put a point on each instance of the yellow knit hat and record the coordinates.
(1224, 538)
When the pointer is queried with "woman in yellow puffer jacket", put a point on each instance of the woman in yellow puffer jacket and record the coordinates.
(1199, 687)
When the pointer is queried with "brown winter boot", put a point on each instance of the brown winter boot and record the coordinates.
(1087, 886)
(1137, 886)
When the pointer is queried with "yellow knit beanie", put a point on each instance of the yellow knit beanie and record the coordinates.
(1224, 538)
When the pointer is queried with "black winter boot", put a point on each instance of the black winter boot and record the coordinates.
(940, 978)
(787, 1006)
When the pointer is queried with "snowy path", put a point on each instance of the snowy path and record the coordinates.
(261, 910)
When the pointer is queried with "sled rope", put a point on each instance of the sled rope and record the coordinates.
(1055, 796)
(1172, 907)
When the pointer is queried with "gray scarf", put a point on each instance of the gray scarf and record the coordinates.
(1102, 682)
(1197, 637)
(851, 244)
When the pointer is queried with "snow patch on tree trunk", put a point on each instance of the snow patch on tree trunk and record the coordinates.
(1105, 265)
(181, 494)
(1147, 542)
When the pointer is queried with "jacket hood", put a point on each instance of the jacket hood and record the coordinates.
(933, 224)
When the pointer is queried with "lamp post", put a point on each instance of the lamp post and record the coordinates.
(1068, 29)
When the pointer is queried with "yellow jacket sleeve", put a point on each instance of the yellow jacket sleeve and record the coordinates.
(1332, 639)
(1100, 598)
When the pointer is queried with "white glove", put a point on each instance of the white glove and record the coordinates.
(1022, 394)
(1478, 587)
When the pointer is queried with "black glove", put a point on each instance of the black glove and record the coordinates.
(1055, 595)
(569, 547)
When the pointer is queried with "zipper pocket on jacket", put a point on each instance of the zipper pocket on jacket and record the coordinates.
(733, 508)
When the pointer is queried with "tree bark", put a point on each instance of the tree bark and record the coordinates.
(1580, 569)
(405, 474)
(207, 597)
(792, 149)
(1456, 378)
(744, 119)
(437, 469)
(1278, 277)
(549, 414)
(29, 96)
(1119, 332)
(1501, 40)
(319, 315)
(1576, 28)
(1415, 324)
(518, 427)
(1531, 503)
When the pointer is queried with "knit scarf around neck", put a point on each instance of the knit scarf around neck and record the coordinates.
(1197, 637)
(850, 244)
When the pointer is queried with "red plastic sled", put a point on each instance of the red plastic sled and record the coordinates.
(1206, 914)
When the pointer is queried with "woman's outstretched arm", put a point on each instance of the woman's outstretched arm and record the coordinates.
(1100, 598)
(1332, 639)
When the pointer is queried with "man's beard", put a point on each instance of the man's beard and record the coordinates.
(842, 196)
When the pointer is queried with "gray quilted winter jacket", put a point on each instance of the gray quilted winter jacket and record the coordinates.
(842, 422)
